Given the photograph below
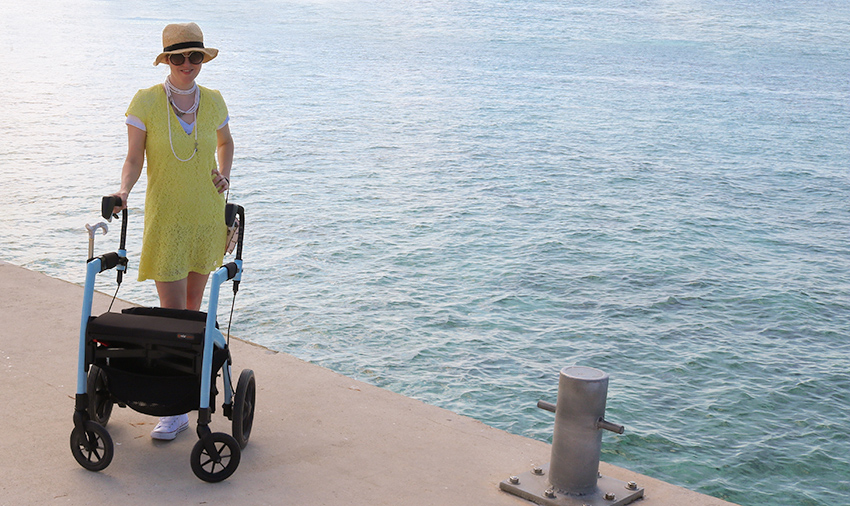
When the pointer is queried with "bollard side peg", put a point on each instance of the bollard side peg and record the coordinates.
(600, 424)
(613, 427)
(572, 476)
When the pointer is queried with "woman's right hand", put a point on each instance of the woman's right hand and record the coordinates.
(123, 196)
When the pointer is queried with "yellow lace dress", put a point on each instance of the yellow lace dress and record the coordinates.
(184, 227)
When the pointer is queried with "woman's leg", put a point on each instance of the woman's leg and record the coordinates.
(172, 294)
(196, 283)
(186, 293)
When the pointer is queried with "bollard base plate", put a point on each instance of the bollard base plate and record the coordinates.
(534, 487)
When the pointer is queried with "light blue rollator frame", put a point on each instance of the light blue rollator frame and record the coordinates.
(216, 455)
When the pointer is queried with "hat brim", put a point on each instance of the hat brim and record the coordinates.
(209, 54)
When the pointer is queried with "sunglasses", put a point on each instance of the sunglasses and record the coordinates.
(195, 57)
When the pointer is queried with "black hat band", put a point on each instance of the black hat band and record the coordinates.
(183, 45)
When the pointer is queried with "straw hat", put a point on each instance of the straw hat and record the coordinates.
(183, 38)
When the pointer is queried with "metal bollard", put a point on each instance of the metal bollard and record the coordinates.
(573, 473)
(577, 440)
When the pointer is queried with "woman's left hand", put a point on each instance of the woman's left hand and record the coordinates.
(222, 184)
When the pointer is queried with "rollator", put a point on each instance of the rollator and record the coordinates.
(160, 362)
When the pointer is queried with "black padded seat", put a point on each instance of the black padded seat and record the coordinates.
(174, 327)
(152, 357)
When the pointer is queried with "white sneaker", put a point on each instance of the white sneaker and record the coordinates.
(169, 426)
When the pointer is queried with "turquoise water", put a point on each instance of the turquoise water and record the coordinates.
(454, 200)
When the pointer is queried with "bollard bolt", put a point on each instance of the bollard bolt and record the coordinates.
(631, 485)
(537, 470)
(609, 496)
(514, 480)
(550, 493)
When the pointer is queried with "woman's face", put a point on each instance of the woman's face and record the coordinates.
(185, 73)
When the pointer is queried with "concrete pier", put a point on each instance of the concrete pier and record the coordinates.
(319, 438)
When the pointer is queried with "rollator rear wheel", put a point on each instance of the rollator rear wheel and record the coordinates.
(100, 400)
(92, 447)
(219, 467)
(243, 407)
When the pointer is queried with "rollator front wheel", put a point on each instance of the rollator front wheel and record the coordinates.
(243, 407)
(92, 447)
(100, 400)
(220, 464)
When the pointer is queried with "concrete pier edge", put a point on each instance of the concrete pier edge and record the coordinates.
(319, 438)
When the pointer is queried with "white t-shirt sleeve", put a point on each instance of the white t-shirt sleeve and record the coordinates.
(136, 122)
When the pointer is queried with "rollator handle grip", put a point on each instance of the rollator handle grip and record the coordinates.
(232, 270)
(108, 205)
(230, 212)
(109, 261)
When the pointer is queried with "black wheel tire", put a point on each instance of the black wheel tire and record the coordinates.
(92, 447)
(209, 469)
(100, 400)
(243, 407)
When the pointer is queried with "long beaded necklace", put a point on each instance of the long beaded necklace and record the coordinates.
(171, 90)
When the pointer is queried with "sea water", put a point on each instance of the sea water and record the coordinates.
(455, 199)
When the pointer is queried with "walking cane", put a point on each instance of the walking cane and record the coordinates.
(92, 229)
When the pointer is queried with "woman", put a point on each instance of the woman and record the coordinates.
(181, 129)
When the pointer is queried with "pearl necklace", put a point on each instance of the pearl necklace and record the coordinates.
(171, 89)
